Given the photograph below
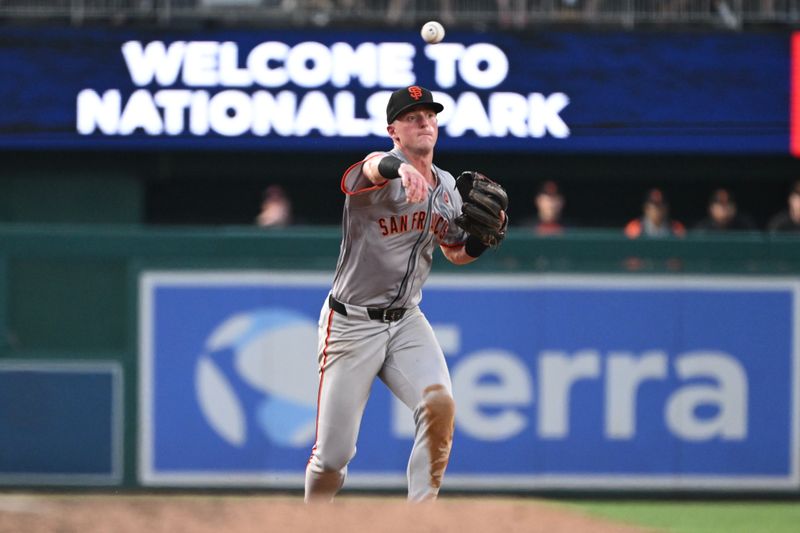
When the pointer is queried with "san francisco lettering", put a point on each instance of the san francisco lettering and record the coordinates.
(395, 224)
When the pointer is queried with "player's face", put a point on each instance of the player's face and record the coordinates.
(416, 130)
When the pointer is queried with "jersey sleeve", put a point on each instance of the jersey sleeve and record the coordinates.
(355, 182)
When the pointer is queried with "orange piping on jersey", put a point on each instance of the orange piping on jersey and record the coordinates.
(351, 167)
(321, 377)
(453, 245)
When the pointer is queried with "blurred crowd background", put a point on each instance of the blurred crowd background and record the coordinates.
(511, 14)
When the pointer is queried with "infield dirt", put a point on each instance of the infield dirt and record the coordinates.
(169, 513)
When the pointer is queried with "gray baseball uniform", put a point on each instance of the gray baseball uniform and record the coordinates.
(371, 325)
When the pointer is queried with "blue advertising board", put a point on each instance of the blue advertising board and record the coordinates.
(61, 423)
(560, 382)
(326, 89)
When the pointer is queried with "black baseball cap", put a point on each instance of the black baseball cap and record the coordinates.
(408, 97)
(549, 188)
(722, 197)
(656, 197)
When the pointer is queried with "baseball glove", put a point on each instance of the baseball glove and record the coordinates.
(483, 200)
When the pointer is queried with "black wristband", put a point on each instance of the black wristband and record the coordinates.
(389, 167)
(474, 247)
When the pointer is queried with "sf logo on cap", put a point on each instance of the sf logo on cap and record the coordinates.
(415, 92)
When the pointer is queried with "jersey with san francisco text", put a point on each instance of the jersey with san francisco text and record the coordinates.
(387, 243)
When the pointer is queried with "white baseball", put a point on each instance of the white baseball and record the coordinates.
(432, 32)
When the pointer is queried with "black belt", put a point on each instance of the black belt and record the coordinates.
(384, 315)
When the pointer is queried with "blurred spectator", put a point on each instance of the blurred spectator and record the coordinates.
(276, 208)
(585, 9)
(549, 204)
(655, 221)
(320, 12)
(728, 11)
(724, 215)
(512, 13)
(788, 220)
(397, 12)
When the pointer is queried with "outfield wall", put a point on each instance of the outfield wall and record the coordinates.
(185, 358)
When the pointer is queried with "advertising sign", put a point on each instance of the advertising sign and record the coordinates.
(325, 89)
(560, 382)
(61, 423)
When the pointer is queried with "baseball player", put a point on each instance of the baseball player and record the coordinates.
(399, 206)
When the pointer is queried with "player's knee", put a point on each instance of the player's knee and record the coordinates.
(335, 464)
(331, 462)
(440, 408)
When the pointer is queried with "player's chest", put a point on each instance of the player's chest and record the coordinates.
(398, 219)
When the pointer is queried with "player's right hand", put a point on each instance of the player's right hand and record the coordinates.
(415, 185)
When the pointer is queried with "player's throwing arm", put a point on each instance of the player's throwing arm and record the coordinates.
(415, 185)
(379, 164)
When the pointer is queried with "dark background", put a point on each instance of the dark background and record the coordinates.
(211, 188)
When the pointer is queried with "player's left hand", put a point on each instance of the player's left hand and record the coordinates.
(483, 213)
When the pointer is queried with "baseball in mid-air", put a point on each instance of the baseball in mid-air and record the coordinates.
(432, 32)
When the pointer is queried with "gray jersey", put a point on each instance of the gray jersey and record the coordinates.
(387, 243)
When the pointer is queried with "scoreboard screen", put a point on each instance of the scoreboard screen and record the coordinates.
(583, 92)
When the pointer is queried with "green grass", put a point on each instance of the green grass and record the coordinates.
(700, 517)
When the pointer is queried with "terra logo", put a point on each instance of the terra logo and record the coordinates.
(258, 373)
